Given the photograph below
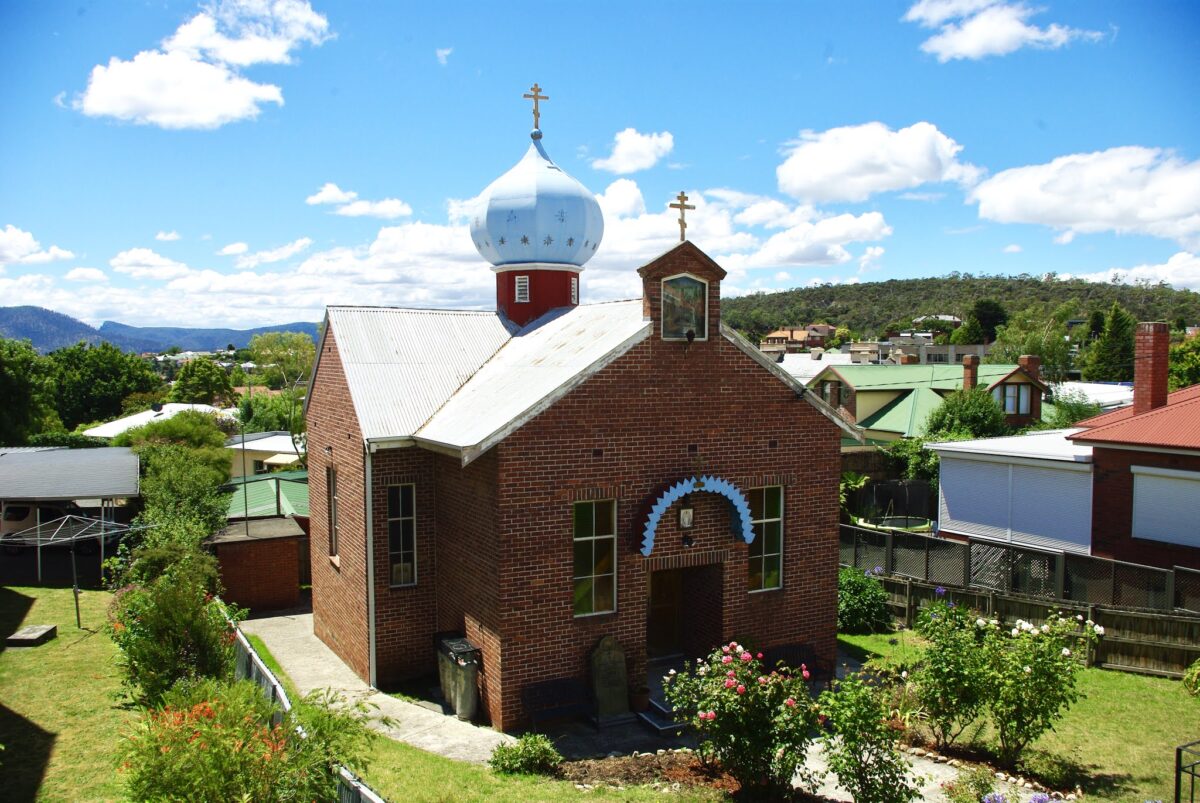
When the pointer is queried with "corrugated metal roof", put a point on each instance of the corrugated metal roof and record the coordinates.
(269, 498)
(114, 428)
(905, 377)
(403, 364)
(1051, 444)
(804, 367)
(906, 415)
(1175, 425)
(534, 368)
(278, 444)
(69, 474)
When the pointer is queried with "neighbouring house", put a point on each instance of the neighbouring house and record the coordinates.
(1123, 485)
(1106, 395)
(542, 476)
(890, 402)
(121, 425)
(798, 338)
(953, 320)
(807, 365)
(261, 452)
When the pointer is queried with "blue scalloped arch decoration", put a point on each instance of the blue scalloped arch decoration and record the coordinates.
(705, 484)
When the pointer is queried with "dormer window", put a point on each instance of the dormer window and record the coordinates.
(521, 290)
(1013, 398)
(684, 308)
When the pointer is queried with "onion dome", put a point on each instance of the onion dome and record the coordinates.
(537, 213)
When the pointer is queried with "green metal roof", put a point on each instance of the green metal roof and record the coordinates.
(272, 497)
(300, 474)
(906, 414)
(908, 377)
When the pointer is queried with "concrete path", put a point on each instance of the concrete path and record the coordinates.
(312, 665)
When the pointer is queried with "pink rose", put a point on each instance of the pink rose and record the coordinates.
(712, 715)
(730, 674)
(790, 703)
(746, 656)
(726, 659)
(759, 656)
(741, 689)
(762, 681)
(729, 683)
(805, 674)
(725, 649)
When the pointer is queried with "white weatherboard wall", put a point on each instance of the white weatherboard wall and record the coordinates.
(1041, 504)
(1166, 505)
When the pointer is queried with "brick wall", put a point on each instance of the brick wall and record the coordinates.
(261, 574)
(1112, 508)
(339, 585)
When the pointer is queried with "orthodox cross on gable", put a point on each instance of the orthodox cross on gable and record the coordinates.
(682, 206)
(535, 97)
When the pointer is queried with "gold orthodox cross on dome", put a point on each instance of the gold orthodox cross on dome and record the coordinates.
(682, 206)
(535, 97)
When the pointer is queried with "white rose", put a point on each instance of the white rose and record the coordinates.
(980, 623)
(1028, 671)
(1015, 632)
(1066, 653)
(1079, 617)
(1099, 630)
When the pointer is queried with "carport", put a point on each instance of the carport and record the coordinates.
(33, 478)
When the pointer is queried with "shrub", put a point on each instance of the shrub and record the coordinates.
(861, 744)
(532, 754)
(1191, 679)
(969, 412)
(970, 785)
(1031, 677)
(215, 741)
(953, 681)
(170, 630)
(755, 722)
(862, 602)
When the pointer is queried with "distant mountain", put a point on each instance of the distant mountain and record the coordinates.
(49, 330)
(164, 337)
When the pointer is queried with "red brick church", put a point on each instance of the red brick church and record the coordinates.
(550, 473)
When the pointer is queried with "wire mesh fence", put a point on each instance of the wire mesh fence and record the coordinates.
(1012, 569)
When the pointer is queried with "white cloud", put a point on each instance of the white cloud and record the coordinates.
(1127, 190)
(1181, 271)
(921, 196)
(783, 276)
(388, 209)
(975, 29)
(86, 275)
(852, 163)
(870, 258)
(19, 247)
(1065, 238)
(233, 249)
(330, 193)
(1012, 248)
(443, 55)
(821, 242)
(622, 198)
(633, 151)
(193, 81)
(142, 263)
(167, 236)
(273, 255)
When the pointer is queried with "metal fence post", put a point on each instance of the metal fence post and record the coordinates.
(966, 569)
(889, 546)
(1060, 576)
(1170, 589)
(925, 576)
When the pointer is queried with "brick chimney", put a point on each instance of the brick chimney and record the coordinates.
(1151, 352)
(1032, 364)
(970, 371)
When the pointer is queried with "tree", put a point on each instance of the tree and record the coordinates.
(990, 315)
(1069, 409)
(24, 392)
(286, 355)
(92, 381)
(1040, 331)
(202, 381)
(1095, 323)
(1184, 369)
(967, 412)
(970, 333)
(281, 412)
(1110, 358)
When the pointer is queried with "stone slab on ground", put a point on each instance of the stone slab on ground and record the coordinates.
(31, 636)
(312, 665)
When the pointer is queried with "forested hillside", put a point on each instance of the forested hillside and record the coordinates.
(867, 309)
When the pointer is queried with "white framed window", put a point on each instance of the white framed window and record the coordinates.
(402, 534)
(260, 467)
(766, 550)
(1165, 502)
(521, 289)
(331, 502)
(1013, 397)
(595, 548)
(574, 289)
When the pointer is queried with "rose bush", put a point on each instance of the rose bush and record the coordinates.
(861, 743)
(756, 722)
(953, 682)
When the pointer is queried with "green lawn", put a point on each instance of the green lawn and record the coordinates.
(60, 714)
(1117, 742)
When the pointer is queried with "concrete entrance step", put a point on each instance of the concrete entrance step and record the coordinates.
(660, 721)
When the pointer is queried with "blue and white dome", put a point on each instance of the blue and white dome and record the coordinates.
(537, 213)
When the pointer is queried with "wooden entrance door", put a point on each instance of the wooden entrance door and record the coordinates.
(664, 612)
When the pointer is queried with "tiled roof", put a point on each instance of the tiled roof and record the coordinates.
(1175, 425)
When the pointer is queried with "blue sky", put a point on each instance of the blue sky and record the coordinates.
(248, 162)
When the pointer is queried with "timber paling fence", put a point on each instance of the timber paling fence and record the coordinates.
(1151, 616)
(249, 666)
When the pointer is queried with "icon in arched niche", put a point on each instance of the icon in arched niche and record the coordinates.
(684, 308)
